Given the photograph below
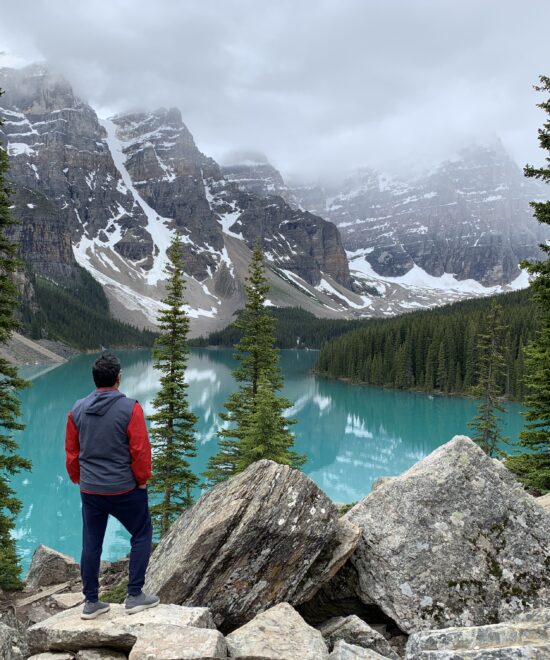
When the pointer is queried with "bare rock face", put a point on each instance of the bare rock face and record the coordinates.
(353, 630)
(278, 633)
(455, 540)
(8, 643)
(526, 637)
(345, 651)
(66, 631)
(250, 543)
(179, 643)
(49, 566)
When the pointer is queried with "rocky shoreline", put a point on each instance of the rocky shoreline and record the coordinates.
(450, 560)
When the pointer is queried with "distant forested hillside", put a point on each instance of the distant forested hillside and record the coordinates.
(296, 328)
(79, 317)
(433, 350)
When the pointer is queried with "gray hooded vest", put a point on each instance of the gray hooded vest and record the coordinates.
(105, 460)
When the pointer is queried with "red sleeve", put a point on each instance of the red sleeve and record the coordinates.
(140, 448)
(72, 449)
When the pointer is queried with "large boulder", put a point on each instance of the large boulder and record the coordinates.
(353, 630)
(280, 633)
(66, 631)
(48, 566)
(454, 541)
(265, 536)
(179, 643)
(526, 637)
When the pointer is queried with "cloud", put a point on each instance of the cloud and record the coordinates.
(318, 85)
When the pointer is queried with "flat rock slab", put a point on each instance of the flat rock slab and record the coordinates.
(100, 654)
(344, 651)
(48, 566)
(66, 631)
(527, 637)
(280, 633)
(66, 601)
(85, 654)
(248, 544)
(353, 630)
(454, 541)
(60, 655)
(179, 643)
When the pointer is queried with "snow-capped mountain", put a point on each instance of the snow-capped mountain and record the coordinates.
(109, 195)
(469, 217)
(462, 228)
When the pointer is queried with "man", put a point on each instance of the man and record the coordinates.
(109, 455)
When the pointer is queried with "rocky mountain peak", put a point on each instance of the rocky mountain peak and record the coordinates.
(109, 195)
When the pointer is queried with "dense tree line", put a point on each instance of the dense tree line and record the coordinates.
(434, 350)
(533, 466)
(78, 316)
(295, 328)
(10, 383)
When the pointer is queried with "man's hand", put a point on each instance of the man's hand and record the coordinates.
(143, 486)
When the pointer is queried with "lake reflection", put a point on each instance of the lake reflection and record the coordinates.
(350, 434)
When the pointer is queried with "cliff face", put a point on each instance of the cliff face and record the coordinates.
(110, 194)
(469, 217)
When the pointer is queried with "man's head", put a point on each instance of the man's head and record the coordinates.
(106, 370)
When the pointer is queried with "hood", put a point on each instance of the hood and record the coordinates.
(101, 401)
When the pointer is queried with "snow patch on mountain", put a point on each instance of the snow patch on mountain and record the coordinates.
(156, 225)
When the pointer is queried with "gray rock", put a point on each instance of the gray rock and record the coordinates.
(455, 540)
(67, 631)
(333, 556)
(61, 655)
(526, 637)
(344, 651)
(380, 481)
(248, 544)
(8, 643)
(179, 643)
(49, 566)
(280, 633)
(68, 600)
(353, 630)
(100, 654)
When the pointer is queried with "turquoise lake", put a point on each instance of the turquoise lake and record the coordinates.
(351, 434)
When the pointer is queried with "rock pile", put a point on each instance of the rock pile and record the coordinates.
(453, 554)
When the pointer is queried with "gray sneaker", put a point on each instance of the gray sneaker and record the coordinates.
(92, 610)
(141, 602)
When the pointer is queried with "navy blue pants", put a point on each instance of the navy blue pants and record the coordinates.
(132, 510)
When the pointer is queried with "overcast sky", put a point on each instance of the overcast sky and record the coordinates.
(319, 86)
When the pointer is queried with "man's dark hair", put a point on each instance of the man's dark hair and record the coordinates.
(105, 370)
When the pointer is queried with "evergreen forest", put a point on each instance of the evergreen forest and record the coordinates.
(78, 316)
(295, 328)
(434, 350)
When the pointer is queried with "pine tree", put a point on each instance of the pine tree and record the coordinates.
(534, 468)
(258, 360)
(172, 437)
(266, 434)
(10, 462)
(490, 369)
